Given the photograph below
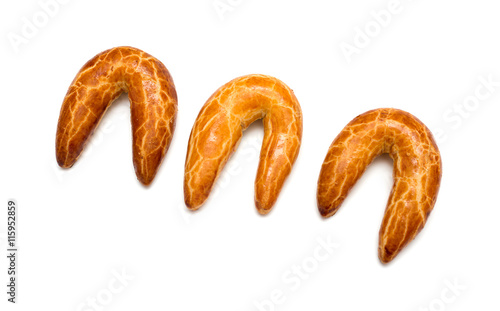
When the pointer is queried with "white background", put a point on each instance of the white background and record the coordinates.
(80, 227)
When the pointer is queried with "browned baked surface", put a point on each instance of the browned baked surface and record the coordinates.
(218, 129)
(417, 172)
(153, 104)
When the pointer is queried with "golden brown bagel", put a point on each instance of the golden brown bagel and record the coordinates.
(218, 129)
(153, 104)
(417, 172)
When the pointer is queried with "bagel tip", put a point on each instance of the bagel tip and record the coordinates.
(385, 255)
(145, 180)
(193, 204)
(262, 211)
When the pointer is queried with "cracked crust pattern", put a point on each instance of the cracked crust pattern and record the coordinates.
(417, 172)
(218, 130)
(153, 104)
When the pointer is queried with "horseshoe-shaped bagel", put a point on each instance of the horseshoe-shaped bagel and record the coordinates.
(417, 172)
(218, 130)
(153, 105)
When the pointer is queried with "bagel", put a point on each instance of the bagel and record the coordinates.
(417, 172)
(153, 105)
(218, 130)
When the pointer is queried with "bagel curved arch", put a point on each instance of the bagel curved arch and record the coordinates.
(218, 130)
(153, 105)
(417, 172)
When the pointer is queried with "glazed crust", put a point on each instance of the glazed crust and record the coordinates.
(417, 172)
(218, 129)
(153, 104)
